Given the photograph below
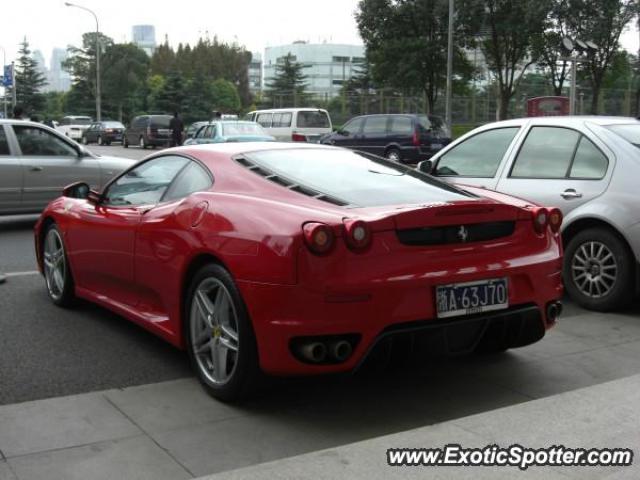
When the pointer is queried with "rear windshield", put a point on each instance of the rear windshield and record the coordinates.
(630, 132)
(78, 121)
(356, 178)
(313, 119)
(161, 122)
(433, 124)
(242, 129)
(113, 125)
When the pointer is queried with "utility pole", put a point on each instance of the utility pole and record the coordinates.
(14, 87)
(4, 97)
(448, 92)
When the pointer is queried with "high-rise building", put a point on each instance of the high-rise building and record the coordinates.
(328, 65)
(58, 78)
(144, 36)
(41, 65)
(255, 72)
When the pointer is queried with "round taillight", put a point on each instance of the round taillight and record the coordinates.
(318, 237)
(540, 220)
(555, 220)
(358, 234)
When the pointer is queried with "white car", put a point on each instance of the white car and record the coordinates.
(589, 167)
(73, 126)
(293, 124)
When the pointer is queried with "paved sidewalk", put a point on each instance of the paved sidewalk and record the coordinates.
(601, 416)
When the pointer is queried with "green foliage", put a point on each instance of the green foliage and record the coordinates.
(29, 81)
(225, 96)
(289, 83)
(53, 105)
(170, 96)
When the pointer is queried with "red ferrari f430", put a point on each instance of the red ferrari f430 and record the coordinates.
(293, 259)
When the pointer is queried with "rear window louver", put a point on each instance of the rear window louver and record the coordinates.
(289, 184)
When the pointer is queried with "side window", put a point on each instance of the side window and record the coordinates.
(478, 156)
(210, 132)
(201, 131)
(353, 127)
(546, 153)
(401, 126)
(264, 119)
(145, 184)
(36, 141)
(4, 144)
(375, 125)
(192, 179)
(276, 120)
(589, 162)
(285, 120)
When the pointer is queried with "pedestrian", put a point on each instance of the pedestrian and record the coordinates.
(177, 126)
(18, 112)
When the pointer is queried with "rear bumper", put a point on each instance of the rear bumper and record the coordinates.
(159, 142)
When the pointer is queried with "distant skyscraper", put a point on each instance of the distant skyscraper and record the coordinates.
(58, 78)
(39, 58)
(255, 72)
(144, 36)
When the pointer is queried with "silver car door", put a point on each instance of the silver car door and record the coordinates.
(11, 174)
(50, 162)
(558, 167)
(478, 159)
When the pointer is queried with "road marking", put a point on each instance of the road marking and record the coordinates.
(21, 274)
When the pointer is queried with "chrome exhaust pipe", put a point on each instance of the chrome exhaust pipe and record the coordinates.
(340, 350)
(315, 352)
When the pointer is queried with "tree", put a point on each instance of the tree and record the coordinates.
(163, 59)
(126, 68)
(602, 21)
(406, 42)
(549, 50)
(29, 81)
(199, 99)
(225, 96)
(289, 81)
(514, 28)
(171, 95)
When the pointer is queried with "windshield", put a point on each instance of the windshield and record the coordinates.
(434, 125)
(313, 119)
(160, 122)
(242, 129)
(630, 132)
(356, 178)
(113, 125)
(78, 121)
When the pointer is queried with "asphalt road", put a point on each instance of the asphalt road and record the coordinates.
(46, 351)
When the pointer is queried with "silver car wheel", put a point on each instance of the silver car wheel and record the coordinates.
(594, 269)
(55, 267)
(214, 331)
(393, 155)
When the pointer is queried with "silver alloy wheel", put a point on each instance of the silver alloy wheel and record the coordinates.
(594, 269)
(214, 331)
(99, 140)
(84, 140)
(55, 267)
(393, 155)
(142, 143)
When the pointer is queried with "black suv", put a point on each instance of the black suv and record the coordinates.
(407, 138)
(103, 133)
(148, 131)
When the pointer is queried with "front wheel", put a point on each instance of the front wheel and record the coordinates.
(219, 335)
(599, 270)
(85, 141)
(100, 142)
(394, 155)
(142, 143)
(125, 144)
(57, 273)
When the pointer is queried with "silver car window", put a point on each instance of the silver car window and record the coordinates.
(38, 142)
(590, 162)
(4, 144)
(547, 152)
(478, 156)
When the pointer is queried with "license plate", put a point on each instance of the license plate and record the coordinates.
(473, 297)
(164, 131)
(436, 146)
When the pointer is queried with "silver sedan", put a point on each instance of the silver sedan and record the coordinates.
(37, 162)
(589, 167)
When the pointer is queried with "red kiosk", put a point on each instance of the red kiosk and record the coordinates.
(547, 106)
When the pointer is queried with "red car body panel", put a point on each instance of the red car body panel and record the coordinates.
(137, 261)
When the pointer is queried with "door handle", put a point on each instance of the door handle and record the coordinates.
(570, 193)
(35, 169)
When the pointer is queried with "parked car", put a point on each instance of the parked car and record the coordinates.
(293, 124)
(103, 133)
(402, 138)
(193, 128)
(148, 131)
(37, 162)
(588, 167)
(229, 131)
(302, 259)
(73, 126)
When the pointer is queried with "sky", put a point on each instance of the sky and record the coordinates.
(253, 23)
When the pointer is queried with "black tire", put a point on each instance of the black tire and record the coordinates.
(108, 144)
(125, 144)
(142, 142)
(393, 154)
(66, 297)
(245, 374)
(622, 289)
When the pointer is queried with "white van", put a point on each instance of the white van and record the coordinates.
(293, 124)
(73, 126)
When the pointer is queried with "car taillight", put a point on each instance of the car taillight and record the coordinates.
(298, 137)
(555, 220)
(540, 219)
(416, 138)
(358, 234)
(109, 130)
(319, 237)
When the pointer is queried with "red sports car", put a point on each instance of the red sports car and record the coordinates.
(301, 259)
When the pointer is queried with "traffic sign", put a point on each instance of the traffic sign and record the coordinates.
(7, 79)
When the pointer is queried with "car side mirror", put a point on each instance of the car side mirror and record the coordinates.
(426, 166)
(77, 190)
(94, 198)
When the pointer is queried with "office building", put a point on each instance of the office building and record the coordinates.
(144, 36)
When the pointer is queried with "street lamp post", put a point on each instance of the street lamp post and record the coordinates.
(4, 97)
(448, 93)
(98, 100)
